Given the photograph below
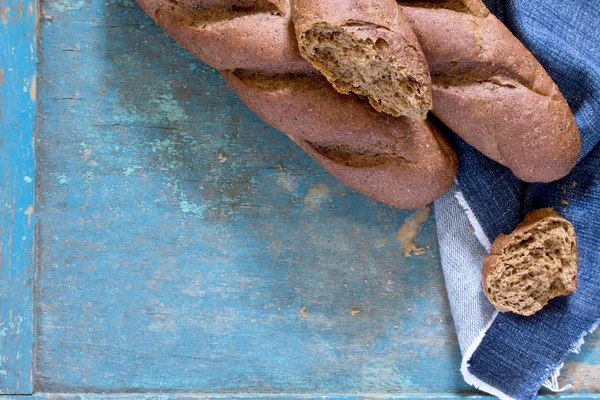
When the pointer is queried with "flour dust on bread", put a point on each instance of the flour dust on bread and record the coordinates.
(532, 265)
(368, 48)
(403, 162)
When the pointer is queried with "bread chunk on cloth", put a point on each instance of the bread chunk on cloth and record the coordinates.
(535, 263)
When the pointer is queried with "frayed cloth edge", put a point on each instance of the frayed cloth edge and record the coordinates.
(552, 382)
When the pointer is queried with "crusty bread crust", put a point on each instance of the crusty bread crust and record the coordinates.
(487, 86)
(492, 262)
(380, 160)
(491, 91)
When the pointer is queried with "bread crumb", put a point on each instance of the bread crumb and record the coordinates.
(562, 188)
(418, 251)
(409, 230)
(102, 91)
(573, 184)
(222, 158)
(316, 196)
(303, 312)
(564, 202)
(354, 311)
(470, 228)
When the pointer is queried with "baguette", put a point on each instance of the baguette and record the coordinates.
(490, 90)
(402, 162)
(487, 87)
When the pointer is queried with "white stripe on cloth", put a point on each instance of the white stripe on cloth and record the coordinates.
(462, 254)
(463, 246)
(477, 229)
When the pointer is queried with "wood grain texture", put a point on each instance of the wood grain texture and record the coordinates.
(185, 246)
(165, 266)
(268, 396)
(17, 183)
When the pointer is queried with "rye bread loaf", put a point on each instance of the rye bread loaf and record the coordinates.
(402, 162)
(490, 90)
(487, 87)
(535, 263)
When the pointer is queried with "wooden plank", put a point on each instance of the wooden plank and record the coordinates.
(17, 183)
(241, 396)
(186, 246)
(17, 177)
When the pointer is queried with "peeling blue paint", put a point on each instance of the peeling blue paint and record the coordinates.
(274, 396)
(182, 236)
(17, 171)
(185, 246)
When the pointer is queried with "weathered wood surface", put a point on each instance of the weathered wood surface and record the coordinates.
(185, 246)
(17, 183)
(241, 396)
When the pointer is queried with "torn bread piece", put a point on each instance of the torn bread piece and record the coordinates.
(367, 48)
(535, 263)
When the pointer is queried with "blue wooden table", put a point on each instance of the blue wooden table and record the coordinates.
(162, 239)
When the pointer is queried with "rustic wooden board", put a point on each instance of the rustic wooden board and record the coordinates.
(185, 246)
(188, 396)
(17, 183)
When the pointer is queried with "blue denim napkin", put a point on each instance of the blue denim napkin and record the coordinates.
(505, 354)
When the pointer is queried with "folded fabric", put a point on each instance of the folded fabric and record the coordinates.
(504, 354)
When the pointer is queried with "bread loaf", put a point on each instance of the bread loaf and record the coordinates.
(398, 161)
(490, 90)
(535, 263)
(402, 162)
(487, 87)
